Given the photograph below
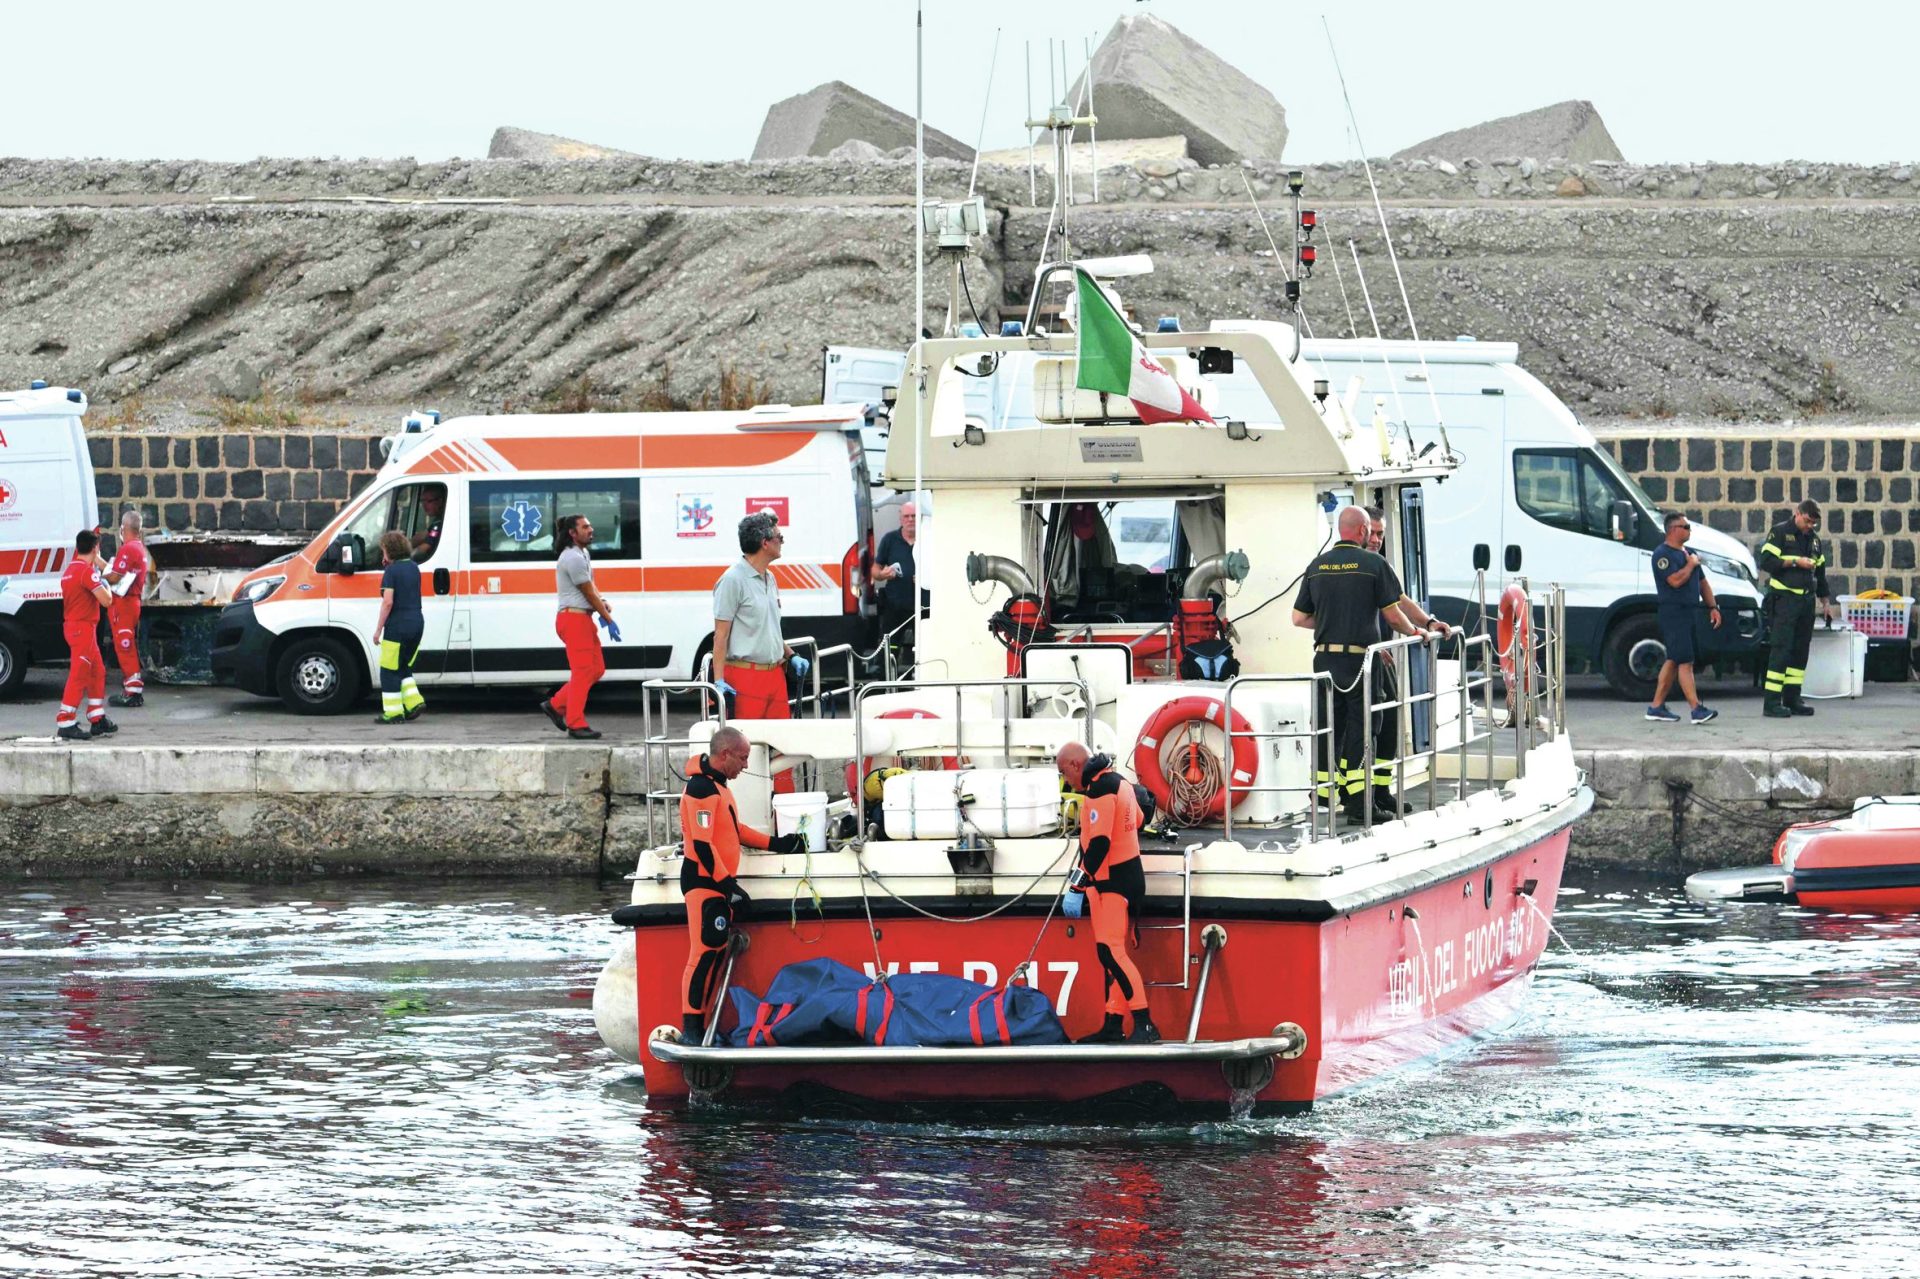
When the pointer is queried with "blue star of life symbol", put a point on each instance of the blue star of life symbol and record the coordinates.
(521, 521)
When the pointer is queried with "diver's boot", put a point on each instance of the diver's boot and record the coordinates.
(693, 1028)
(1144, 1031)
(1112, 1031)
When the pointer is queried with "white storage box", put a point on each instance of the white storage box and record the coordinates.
(1837, 663)
(805, 814)
(1012, 803)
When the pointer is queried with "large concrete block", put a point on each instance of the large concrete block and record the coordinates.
(1799, 778)
(821, 119)
(575, 770)
(524, 144)
(157, 770)
(412, 769)
(1151, 81)
(1853, 775)
(29, 772)
(1566, 130)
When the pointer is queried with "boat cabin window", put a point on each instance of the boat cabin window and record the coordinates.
(1124, 560)
(512, 521)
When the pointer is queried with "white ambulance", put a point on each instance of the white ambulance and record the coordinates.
(664, 492)
(46, 496)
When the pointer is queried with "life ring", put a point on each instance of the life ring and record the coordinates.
(1516, 634)
(855, 776)
(1183, 710)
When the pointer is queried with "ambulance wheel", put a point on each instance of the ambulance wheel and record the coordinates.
(1632, 656)
(317, 676)
(13, 661)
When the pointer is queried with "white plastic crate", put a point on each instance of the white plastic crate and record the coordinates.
(1876, 619)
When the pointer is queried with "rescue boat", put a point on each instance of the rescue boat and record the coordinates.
(1108, 577)
(1867, 861)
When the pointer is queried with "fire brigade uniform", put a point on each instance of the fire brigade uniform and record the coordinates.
(1343, 590)
(710, 858)
(123, 615)
(1116, 886)
(1791, 592)
(80, 624)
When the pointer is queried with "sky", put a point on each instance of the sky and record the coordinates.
(1680, 80)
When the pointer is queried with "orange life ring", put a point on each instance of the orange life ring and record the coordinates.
(854, 777)
(1182, 710)
(1516, 633)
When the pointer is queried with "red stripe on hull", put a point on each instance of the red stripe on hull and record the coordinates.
(1374, 989)
(1863, 899)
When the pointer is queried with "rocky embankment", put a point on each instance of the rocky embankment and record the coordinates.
(1752, 293)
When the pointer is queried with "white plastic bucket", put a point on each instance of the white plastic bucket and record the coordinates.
(802, 814)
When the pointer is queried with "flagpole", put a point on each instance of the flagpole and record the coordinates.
(919, 290)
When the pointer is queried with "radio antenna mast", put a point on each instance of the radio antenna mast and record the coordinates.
(1392, 256)
(992, 61)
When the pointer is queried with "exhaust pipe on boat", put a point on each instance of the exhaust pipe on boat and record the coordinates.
(998, 568)
(1227, 566)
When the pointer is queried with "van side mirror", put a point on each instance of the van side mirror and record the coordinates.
(442, 581)
(1626, 522)
(346, 555)
(1513, 557)
(1482, 557)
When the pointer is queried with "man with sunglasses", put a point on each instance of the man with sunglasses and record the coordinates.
(1680, 587)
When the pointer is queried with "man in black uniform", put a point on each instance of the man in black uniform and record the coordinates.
(1796, 565)
(1344, 594)
(1386, 683)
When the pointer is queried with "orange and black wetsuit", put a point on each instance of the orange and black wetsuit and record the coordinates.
(711, 859)
(1117, 884)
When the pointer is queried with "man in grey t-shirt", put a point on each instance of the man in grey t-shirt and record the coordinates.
(749, 650)
(578, 603)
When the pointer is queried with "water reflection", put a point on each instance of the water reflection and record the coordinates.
(218, 1079)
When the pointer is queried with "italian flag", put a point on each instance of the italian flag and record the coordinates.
(1113, 360)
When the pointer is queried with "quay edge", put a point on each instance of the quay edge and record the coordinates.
(548, 810)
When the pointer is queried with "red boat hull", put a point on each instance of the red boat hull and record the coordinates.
(1373, 988)
(1866, 870)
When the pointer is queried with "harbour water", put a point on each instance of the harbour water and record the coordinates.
(403, 1076)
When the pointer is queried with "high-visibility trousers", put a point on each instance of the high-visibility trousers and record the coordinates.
(585, 664)
(86, 679)
(123, 618)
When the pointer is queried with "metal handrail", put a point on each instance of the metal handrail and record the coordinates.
(1319, 724)
(650, 743)
(1005, 687)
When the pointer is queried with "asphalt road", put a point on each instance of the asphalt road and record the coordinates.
(1887, 718)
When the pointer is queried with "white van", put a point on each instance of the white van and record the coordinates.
(1534, 495)
(664, 492)
(46, 496)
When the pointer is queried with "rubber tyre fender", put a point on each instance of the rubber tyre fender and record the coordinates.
(318, 675)
(1616, 655)
(1244, 769)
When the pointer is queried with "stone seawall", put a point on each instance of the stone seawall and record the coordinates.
(1742, 482)
(307, 811)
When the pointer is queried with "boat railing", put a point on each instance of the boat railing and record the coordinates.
(1319, 739)
(660, 783)
(1003, 687)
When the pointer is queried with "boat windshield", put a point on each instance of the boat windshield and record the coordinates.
(1124, 560)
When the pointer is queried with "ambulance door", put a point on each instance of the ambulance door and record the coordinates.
(353, 599)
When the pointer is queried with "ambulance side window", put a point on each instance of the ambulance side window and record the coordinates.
(512, 521)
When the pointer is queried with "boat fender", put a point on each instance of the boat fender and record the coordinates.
(1516, 632)
(1182, 710)
(629, 916)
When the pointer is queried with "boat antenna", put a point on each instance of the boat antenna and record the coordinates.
(1353, 330)
(1399, 406)
(1393, 257)
(919, 273)
(992, 61)
(1033, 181)
(1093, 130)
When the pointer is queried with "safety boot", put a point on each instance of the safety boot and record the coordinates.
(1794, 702)
(1776, 707)
(1112, 1031)
(102, 727)
(72, 733)
(127, 700)
(1385, 806)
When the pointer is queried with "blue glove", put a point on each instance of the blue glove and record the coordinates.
(1073, 904)
(726, 689)
(611, 627)
(800, 665)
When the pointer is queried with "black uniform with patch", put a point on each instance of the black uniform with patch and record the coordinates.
(1343, 590)
(1791, 595)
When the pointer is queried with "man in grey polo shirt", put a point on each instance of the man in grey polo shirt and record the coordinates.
(748, 649)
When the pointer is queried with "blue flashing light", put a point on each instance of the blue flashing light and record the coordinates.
(39, 384)
(1466, 337)
(1169, 324)
(971, 330)
(1012, 329)
(75, 396)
